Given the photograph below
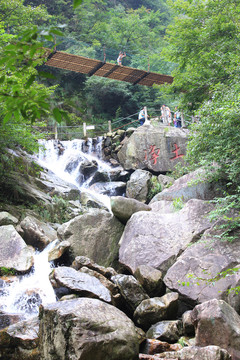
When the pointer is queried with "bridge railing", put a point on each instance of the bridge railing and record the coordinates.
(63, 132)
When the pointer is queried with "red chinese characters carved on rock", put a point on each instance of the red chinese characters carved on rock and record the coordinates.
(153, 153)
(177, 148)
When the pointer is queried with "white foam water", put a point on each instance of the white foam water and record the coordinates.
(25, 293)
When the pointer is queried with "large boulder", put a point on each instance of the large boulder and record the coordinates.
(20, 341)
(151, 280)
(157, 149)
(138, 185)
(95, 235)
(131, 290)
(157, 240)
(123, 208)
(7, 219)
(217, 323)
(14, 252)
(86, 329)
(193, 352)
(195, 185)
(151, 311)
(81, 283)
(37, 233)
(203, 261)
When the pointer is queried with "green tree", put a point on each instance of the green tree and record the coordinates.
(204, 41)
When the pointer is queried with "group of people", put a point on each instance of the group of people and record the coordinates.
(166, 116)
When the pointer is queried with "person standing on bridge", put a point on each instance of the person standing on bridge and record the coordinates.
(120, 57)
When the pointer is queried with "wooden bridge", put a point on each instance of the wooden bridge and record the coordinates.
(76, 63)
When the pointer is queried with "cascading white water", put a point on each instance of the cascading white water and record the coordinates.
(52, 157)
(25, 293)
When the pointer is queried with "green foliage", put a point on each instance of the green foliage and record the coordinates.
(154, 188)
(204, 41)
(56, 212)
(4, 271)
(178, 203)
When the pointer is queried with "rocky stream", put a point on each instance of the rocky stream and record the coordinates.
(95, 265)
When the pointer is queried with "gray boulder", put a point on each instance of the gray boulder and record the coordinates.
(37, 233)
(138, 185)
(81, 261)
(58, 250)
(157, 149)
(95, 235)
(195, 185)
(153, 310)
(167, 330)
(151, 280)
(131, 290)
(157, 240)
(81, 283)
(162, 206)
(7, 219)
(20, 341)
(109, 188)
(123, 208)
(86, 329)
(205, 260)
(217, 323)
(14, 252)
(196, 353)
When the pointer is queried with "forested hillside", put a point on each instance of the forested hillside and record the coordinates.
(195, 41)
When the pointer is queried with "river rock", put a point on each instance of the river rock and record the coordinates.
(123, 208)
(195, 185)
(86, 329)
(114, 290)
(81, 261)
(95, 235)
(214, 256)
(154, 346)
(90, 200)
(153, 310)
(151, 280)
(14, 252)
(156, 149)
(110, 188)
(193, 352)
(7, 219)
(162, 206)
(37, 233)
(167, 330)
(81, 283)
(131, 290)
(20, 341)
(157, 240)
(88, 168)
(217, 323)
(138, 185)
(59, 249)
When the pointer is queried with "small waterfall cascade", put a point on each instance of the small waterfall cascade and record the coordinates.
(66, 157)
(24, 294)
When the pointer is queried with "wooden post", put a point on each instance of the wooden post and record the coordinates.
(84, 129)
(109, 126)
(55, 131)
(182, 120)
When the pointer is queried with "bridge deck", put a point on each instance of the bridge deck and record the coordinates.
(62, 60)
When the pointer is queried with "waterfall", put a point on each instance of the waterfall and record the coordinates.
(24, 294)
(66, 157)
